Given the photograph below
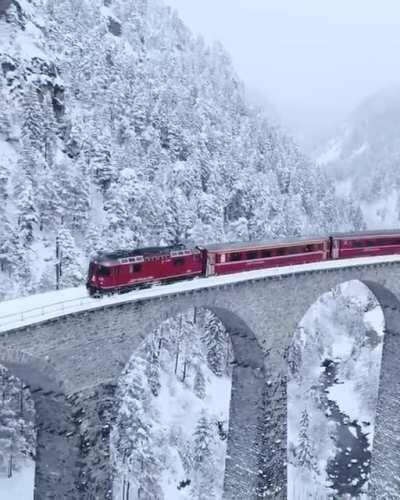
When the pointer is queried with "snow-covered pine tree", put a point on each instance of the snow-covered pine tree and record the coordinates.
(32, 127)
(216, 340)
(27, 214)
(71, 273)
(199, 384)
(80, 196)
(304, 450)
(203, 459)
(133, 435)
(153, 365)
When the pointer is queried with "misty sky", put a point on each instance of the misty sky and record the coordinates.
(313, 59)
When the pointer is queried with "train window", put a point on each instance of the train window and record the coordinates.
(280, 251)
(178, 261)
(266, 253)
(135, 268)
(358, 244)
(104, 271)
(234, 256)
(251, 255)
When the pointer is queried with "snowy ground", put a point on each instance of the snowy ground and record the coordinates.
(20, 486)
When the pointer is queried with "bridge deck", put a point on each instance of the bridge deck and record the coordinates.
(40, 307)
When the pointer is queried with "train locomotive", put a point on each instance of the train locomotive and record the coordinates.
(125, 270)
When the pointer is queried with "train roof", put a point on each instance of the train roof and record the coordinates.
(145, 251)
(360, 234)
(239, 245)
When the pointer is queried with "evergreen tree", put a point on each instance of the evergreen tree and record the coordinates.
(71, 273)
(32, 129)
(304, 451)
(203, 460)
(199, 384)
(4, 178)
(216, 341)
(202, 441)
(27, 214)
(153, 366)
(134, 435)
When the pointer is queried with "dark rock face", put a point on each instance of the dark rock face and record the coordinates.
(58, 100)
(114, 27)
(4, 5)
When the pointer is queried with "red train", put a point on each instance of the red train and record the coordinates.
(128, 269)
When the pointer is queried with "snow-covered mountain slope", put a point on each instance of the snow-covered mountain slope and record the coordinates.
(119, 128)
(169, 441)
(334, 364)
(364, 158)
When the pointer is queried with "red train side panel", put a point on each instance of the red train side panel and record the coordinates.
(108, 273)
(235, 258)
(345, 246)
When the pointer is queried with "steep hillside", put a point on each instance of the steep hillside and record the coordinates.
(365, 157)
(119, 128)
(170, 437)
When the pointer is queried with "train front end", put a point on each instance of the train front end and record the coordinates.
(98, 279)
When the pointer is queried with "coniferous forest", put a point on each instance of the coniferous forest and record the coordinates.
(119, 128)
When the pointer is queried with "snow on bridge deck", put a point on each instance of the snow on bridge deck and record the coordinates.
(40, 307)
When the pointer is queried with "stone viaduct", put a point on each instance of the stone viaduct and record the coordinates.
(72, 364)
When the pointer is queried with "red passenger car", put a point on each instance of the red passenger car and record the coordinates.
(127, 269)
(230, 258)
(369, 243)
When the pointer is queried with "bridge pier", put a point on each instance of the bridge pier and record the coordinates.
(385, 466)
(255, 464)
(56, 474)
(94, 412)
(243, 451)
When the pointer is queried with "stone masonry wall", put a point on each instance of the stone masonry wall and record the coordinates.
(88, 350)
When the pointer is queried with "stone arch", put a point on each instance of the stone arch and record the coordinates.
(242, 479)
(385, 464)
(56, 443)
